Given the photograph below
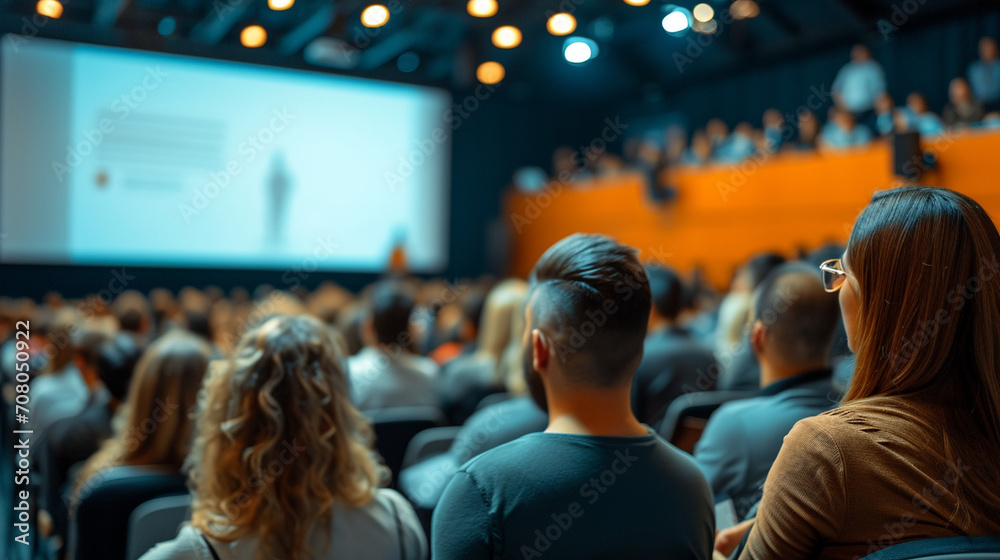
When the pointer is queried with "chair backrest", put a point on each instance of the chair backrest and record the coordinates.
(395, 427)
(687, 415)
(156, 521)
(944, 548)
(99, 530)
(428, 443)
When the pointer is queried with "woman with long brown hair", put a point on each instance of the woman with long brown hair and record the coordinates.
(912, 452)
(281, 465)
(154, 425)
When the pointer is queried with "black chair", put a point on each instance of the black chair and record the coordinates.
(688, 414)
(395, 427)
(943, 548)
(99, 530)
(429, 443)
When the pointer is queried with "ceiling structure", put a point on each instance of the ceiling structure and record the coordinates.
(438, 42)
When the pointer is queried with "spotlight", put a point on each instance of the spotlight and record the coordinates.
(408, 61)
(490, 72)
(561, 24)
(375, 15)
(577, 50)
(744, 9)
(482, 8)
(637, 2)
(703, 13)
(49, 8)
(253, 36)
(279, 5)
(677, 20)
(507, 37)
(167, 26)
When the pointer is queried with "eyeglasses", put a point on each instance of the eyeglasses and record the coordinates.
(833, 275)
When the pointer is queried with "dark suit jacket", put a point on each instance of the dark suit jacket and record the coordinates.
(673, 363)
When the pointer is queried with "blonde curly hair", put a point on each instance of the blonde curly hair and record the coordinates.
(278, 441)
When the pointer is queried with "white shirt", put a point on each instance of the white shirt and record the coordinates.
(385, 380)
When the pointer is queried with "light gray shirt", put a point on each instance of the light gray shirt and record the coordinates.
(385, 529)
(385, 380)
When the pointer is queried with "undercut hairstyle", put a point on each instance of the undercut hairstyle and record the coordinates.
(392, 304)
(591, 295)
(799, 316)
(667, 290)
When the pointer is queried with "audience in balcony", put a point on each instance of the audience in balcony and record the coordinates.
(962, 109)
(858, 84)
(984, 75)
(283, 399)
(793, 323)
(921, 119)
(843, 131)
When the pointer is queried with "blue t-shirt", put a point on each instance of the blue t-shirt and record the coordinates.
(550, 495)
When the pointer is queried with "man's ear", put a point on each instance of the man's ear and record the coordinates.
(757, 336)
(540, 351)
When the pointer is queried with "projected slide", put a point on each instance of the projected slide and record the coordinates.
(112, 156)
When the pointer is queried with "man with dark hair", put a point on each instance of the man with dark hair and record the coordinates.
(794, 320)
(387, 373)
(673, 361)
(597, 483)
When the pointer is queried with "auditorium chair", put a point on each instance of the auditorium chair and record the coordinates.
(494, 398)
(688, 414)
(100, 528)
(156, 521)
(395, 427)
(944, 548)
(429, 443)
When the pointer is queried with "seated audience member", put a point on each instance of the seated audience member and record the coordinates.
(134, 315)
(858, 84)
(596, 477)
(774, 130)
(466, 380)
(164, 388)
(922, 119)
(387, 373)
(984, 75)
(673, 362)
(718, 135)
(464, 330)
(962, 109)
(700, 151)
(60, 391)
(885, 110)
(106, 364)
(808, 131)
(793, 324)
(738, 368)
(843, 131)
(283, 399)
(917, 436)
(738, 146)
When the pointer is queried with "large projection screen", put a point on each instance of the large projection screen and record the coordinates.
(115, 156)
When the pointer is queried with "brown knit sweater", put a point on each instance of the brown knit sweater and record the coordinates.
(860, 478)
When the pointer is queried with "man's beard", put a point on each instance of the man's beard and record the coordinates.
(533, 379)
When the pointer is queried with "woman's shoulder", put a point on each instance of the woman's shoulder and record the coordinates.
(188, 545)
